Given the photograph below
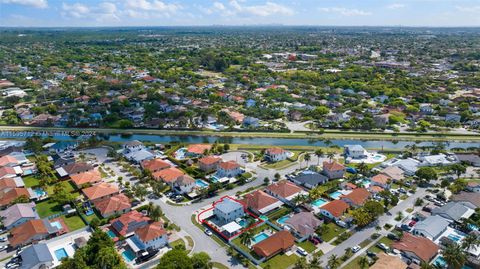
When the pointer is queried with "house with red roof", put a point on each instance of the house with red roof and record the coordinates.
(381, 180)
(357, 197)
(416, 248)
(128, 223)
(261, 202)
(9, 161)
(8, 196)
(276, 154)
(7, 172)
(86, 178)
(117, 204)
(209, 163)
(100, 191)
(334, 210)
(333, 170)
(279, 242)
(228, 169)
(285, 191)
(152, 236)
(196, 150)
(155, 165)
(169, 175)
(30, 231)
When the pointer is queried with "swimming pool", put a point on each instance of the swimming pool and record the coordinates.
(454, 237)
(366, 182)
(259, 237)
(214, 179)
(283, 219)
(377, 157)
(128, 255)
(56, 224)
(39, 192)
(111, 234)
(61, 253)
(335, 195)
(443, 264)
(200, 183)
(319, 202)
(180, 154)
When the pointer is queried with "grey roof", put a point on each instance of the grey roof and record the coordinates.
(452, 210)
(471, 197)
(35, 255)
(139, 155)
(228, 205)
(16, 212)
(354, 147)
(304, 223)
(311, 178)
(433, 225)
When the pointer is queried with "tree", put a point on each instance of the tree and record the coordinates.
(201, 260)
(245, 237)
(155, 212)
(319, 153)
(361, 217)
(175, 259)
(426, 173)
(140, 191)
(277, 176)
(301, 264)
(61, 195)
(471, 242)
(266, 181)
(363, 262)
(362, 168)
(458, 169)
(333, 262)
(307, 157)
(454, 256)
(330, 154)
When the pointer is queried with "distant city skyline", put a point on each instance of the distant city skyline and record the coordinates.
(78, 13)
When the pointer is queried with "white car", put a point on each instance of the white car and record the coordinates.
(3, 247)
(355, 249)
(208, 232)
(301, 251)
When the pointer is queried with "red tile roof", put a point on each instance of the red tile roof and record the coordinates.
(151, 231)
(99, 191)
(230, 165)
(26, 231)
(155, 165)
(336, 207)
(168, 175)
(198, 148)
(7, 159)
(332, 166)
(275, 151)
(113, 204)
(7, 170)
(381, 179)
(7, 183)
(10, 195)
(284, 188)
(126, 219)
(423, 247)
(280, 241)
(208, 160)
(258, 200)
(358, 196)
(92, 176)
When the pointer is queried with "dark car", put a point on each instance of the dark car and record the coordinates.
(371, 254)
(393, 237)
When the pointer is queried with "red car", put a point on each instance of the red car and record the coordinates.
(412, 223)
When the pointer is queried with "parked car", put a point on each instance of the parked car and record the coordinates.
(208, 232)
(402, 190)
(371, 254)
(301, 251)
(355, 249)
(393, 237)
(3, 247)
(412, 223)
(3, 239)
(383, 247)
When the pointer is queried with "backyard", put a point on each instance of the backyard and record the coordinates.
(332, 231)
(280, 261)
(73, 222)
(31, 181)
(48, 208)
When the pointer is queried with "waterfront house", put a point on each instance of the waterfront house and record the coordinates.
(276, 154)
(285, 191)
(333, 169)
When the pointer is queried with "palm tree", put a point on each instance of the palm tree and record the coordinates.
(155, 213)
(319, 153)
(363, 168)
(307, 157)
(333, 262)
(470, 242)
(363, 262)
(245, 237)
(454, 256)
(331, 155)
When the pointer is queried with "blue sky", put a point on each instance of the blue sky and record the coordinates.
(239, 12)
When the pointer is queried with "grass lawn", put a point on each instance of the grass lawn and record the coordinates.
(65, 184)
(30, 181)
(279, 165)
(365, 243)
(279, 213)
(281, 261)
(73, 222)
(47, 208)
(332, 232)
(384, 240)
(218, 265)
(353, 264)
(93, 216)
(307, 246)
(178, 242)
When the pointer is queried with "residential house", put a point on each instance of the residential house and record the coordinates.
(31, 231)
(354, 152)
(9, 161)
(453, 211)
(73, 169)
(394, 173)
(334, 209)
(7, 184)
(169, 175)
(471, 159)
(431, 227)
(155, 165)
(416, 248)
(88, 177)
(184, 184)
(285, 191)
(356, 198)
(381, 180)
(18, 214)
(133, 145)
(303, 224)
(128, 223)
(386, 261)
(228, 169)
(7, 172)
(209, 163)
(197, 150)
(7, 197)
(435, 160)
(470, 199)
(251, 122)
(113, 205)
(36, 256)
(100, 191)
(260, 202)
(310, 179)
(333, 169)
(150, 236)
(276, 154)
(281, 241)
(227, 211)
(138, 156)
(381, 120)
(473, 186)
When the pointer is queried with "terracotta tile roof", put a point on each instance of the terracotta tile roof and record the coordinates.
(155, 165)
(336, 207)
(79, 167)
(332, 166)
(6, 170)
(168, 175)
(92, 176)
(276, 243)
(99, 191)
(357, 196)
(284, 188)
(394, 172)
(26, 231)
(471, 197)
(7, 183)
(10, 195)
(184, 180)
(7, 159)
(351, 185)
(258, 200)
(230, 165)
(388, 262)
(376, 189)
(112, 204)
(423, 247)
(151, 231)
(208, 160)
(274, 151)
(198, 148)
(122, 223)
(381, 179)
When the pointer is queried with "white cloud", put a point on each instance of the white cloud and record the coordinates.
(103, 12)
(395, 6)
(76, 10)
(267, 9)
(472, 9)
(32, 3)
(153, 5)
(345, 11)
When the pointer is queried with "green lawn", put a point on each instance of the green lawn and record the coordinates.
(47, 208)
(281, 261)
(353, 264)
(307, 246)
(177, 242)
(218, 265)
(384, 240)
(279, 165)
(279, 213)
(332, 232)
(73, 222)
(65, 184)
(30, 181)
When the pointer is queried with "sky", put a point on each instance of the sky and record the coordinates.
(90, 13)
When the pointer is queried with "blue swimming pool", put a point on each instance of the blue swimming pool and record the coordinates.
(335, 195)
(61, 253)
(366, 182)
(39, 192)
(128, 255)
(454, 237)
(214, 179)
(56, 224)
(111, 234)
(472, 227)
(319, 202)
(259, 237)
(200, 183)
(443, 264)
(283, 219)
